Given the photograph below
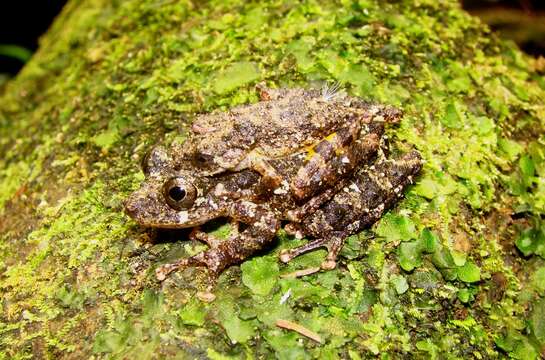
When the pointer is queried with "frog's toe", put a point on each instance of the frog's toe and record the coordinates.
(329, 264)
(163, 271)
(332, 243)
(206, 296)
(287, 255)
(294, 230)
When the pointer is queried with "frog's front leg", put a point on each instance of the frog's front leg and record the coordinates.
(198, 235)
(333, 242)
(211, 240)
(262, 226)
(270, 179)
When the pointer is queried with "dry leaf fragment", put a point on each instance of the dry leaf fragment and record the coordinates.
(285, 324)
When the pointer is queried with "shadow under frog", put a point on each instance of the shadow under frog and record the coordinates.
(338, 183)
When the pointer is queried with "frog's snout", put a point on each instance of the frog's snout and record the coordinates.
(131, 207)
(136, 205)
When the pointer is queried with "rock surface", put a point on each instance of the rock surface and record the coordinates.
(457, 270)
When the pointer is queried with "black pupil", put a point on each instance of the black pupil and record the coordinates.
(176, 193)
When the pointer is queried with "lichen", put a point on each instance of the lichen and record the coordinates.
(454, 271)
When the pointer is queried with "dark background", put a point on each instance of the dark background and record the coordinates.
(520, 20)
(23, 21)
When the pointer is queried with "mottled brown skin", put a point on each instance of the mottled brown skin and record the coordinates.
(286, 122)
(227, 195)
(297, 156)
(370, 192)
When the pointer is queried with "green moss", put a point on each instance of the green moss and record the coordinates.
(112, 79)
(469, 272)
(14, 176)
(235, 76)
(260, 274)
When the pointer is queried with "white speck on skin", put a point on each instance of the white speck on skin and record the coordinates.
(183, 216)
(212, 204)
(219, 190)
(355, 188)
(200, 201)
(283, 189)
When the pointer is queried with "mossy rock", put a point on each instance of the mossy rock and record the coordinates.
(454, 271)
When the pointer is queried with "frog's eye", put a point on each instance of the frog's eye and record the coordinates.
(179, 194)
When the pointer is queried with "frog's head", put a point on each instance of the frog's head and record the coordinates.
(171, 197)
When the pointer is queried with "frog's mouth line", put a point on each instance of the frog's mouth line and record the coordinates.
(177, 219)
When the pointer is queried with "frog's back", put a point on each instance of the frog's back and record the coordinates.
(289, 120)
(296, 119)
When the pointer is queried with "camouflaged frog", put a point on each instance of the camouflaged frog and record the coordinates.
(312, 159)
(285, 122)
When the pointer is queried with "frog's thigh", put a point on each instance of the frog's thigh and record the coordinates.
(333, 158)
(332, 241)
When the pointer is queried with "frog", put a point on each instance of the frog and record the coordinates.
(299, 179)
(286, 122)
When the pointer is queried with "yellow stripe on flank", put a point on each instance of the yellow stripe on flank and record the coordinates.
(330, 136)
(310, 152)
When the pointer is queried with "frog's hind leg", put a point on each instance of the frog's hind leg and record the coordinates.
(298, 214)
(333, 242)
(336, 157)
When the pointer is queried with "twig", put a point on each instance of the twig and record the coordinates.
(300, 273)
(285, 324)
